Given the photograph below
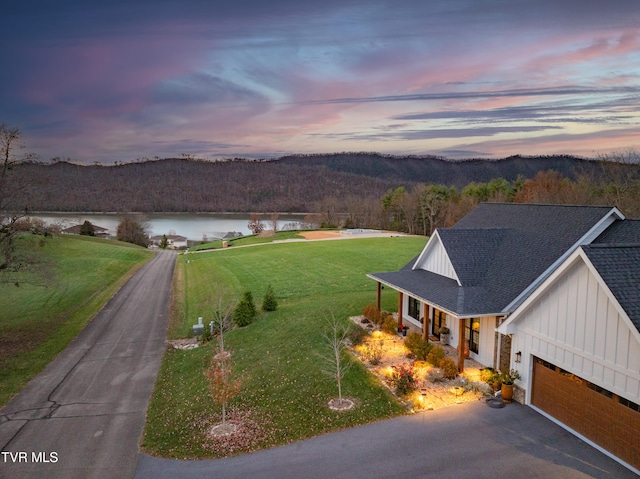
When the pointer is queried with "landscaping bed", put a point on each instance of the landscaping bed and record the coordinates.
(432, 391)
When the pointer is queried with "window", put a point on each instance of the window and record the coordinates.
(414, 308)
(546, 364)
(600, 390)
(629, 404)
(472, 333)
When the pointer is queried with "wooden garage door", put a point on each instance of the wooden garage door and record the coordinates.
(609, 421)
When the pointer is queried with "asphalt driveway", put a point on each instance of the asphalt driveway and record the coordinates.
(83, 415)
(468, 440)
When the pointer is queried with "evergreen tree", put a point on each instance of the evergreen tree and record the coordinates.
(269, 303)
(245, 313)
(87, 229)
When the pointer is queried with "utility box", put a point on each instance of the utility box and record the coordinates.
(198, 329)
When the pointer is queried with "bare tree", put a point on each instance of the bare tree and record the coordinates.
(336, 362)
(11, 209)
(273, 219)
(221, 306)
(255, 224)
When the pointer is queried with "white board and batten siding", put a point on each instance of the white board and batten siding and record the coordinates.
(576, 325)
(434, 258)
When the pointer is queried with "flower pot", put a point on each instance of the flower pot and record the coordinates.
(444, 338)
(507, 392)
(404, 332)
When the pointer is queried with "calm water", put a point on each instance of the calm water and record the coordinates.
(194, 227)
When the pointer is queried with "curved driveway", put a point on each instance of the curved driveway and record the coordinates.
(83, 415)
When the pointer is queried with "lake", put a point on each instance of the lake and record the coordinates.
(195, 227)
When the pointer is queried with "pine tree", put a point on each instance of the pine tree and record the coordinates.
(269, 303)
(245, 313)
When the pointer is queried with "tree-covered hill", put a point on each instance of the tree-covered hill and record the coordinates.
(288, 184)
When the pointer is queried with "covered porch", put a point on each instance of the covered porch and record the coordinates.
(472, 337)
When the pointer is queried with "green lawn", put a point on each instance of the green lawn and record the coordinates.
(284, 392)
(73, 278)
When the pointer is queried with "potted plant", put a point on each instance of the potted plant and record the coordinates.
(404, 330)
(508, 378)
(444, 335)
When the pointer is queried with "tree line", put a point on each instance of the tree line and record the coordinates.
(421, 208)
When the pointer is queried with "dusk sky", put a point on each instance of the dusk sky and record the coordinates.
(107, 81)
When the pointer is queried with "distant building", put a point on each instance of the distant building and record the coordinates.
(173, 241)
(231, 234)
(98, 231)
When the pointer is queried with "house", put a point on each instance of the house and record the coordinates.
(551, 291)
(98, 231)
(577, 343)
(173, 241)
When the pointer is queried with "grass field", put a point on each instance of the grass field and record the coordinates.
(73, 278)
(285, 392)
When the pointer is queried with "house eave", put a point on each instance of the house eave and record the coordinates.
(431, 302)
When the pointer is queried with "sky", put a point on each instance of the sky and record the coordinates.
(106, 81)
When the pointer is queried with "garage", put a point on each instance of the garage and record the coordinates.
(604, 418)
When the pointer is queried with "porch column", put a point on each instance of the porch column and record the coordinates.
(461, 324)
(425, 324)
(400, 312)
(379, 295)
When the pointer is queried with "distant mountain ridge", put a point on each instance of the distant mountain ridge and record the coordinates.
(431, 169)
(297, 183)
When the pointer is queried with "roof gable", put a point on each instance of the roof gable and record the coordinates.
(501, 252)
(617, 276)
(434, 258)
(619, 268)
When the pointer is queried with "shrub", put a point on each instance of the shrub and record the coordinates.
(372, 352)
(488, 375)
(371, 313)
(402, 379)
(383, 317)
(435, 375)
(449, 368)
(357, 335)
(207, 335)
(390, 325)
(418, 346)
(245, 313)
(435, 356)
(269, 303)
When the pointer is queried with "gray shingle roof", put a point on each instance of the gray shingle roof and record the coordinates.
(498, 250)
(621, 232)
(619, 267)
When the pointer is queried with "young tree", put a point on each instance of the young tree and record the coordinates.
(336, 362)
(164, 243)
(222, 386)
(269, 302)
(132, 231)
(273, 220)
(245, 313)
(221, 306)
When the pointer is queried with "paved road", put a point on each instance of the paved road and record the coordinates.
(468, 440)
(85, 412)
